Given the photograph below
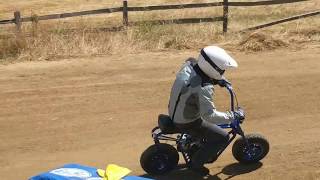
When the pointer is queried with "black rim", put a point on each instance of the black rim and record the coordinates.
(254, 152)
(160, 162)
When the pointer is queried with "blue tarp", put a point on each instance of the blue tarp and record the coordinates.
(75, 172)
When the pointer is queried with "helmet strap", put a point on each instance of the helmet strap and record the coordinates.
(205, 79)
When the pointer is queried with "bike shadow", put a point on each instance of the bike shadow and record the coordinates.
(236, 169)
(231, 170)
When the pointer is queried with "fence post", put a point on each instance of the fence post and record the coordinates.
(17, 20)
(125, 13)
(34, 21)
(225, 15)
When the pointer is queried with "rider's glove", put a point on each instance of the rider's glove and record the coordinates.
(239, 114)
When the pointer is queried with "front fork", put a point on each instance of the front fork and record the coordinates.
(234, 133)
(239, 131)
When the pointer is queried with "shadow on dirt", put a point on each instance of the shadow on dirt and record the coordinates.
(236, 169)
(230, 171)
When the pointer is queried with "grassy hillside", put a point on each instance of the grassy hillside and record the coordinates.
(53, 39)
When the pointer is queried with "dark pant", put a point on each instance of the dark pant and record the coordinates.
(215, 138)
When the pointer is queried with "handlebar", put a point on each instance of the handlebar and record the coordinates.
(237, 120)
(225, 83)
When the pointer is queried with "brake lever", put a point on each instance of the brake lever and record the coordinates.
(234, 123)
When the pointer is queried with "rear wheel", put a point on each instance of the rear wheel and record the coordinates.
(258, 148)
(159, 159)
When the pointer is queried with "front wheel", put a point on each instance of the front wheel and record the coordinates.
(258, 148)
(159, 159)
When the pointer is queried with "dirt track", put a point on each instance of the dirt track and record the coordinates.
(101, 110)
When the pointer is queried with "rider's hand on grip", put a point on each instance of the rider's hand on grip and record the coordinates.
(239, 114)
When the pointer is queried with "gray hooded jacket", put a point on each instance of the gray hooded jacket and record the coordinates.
(192, 98)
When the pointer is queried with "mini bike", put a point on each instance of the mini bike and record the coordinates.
(160, 158)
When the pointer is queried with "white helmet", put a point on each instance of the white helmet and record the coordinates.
(213, 61)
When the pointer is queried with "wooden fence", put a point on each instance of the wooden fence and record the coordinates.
(314, 13)
(125, 9)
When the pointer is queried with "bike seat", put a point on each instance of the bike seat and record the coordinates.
(166, 124)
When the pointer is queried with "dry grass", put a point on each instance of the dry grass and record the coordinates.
(50, 40)
(260, 42)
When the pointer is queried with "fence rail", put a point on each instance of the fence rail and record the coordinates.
(125, 9)
(176, 6)
(264, 3)
(6, 21)
(73, 14)
(180, 21)
(283, 20)
(213, 4)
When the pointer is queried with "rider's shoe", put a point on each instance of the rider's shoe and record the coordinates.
(211, 160)
(203, 171)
